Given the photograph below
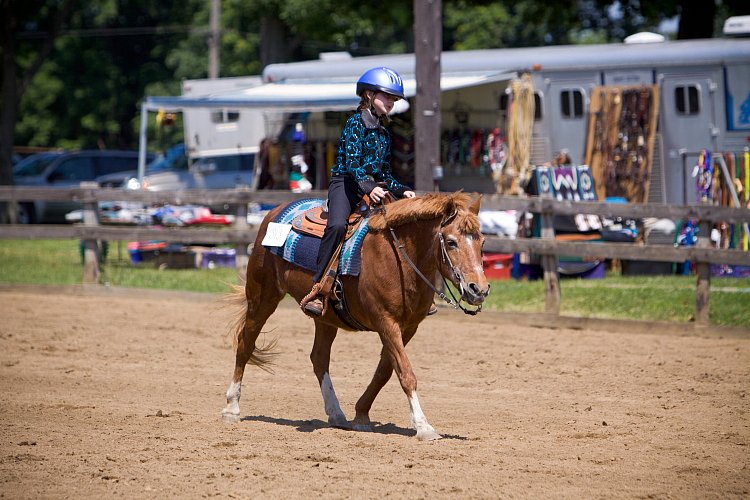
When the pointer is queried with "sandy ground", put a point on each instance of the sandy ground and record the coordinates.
(118, 394)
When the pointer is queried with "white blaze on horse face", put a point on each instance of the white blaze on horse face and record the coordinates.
(331, 403)
(473, 244)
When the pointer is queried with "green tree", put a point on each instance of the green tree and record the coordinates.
(98, 73)
(16, 80)
(476, 24)
(73, 73)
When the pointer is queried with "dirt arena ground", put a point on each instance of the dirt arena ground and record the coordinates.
(118, 394)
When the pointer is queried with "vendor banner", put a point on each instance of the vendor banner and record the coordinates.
(565, 183)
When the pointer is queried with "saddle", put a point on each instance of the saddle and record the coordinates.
(313, 221)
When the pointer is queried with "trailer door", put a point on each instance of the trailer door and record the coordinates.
(688, 123)
(568, 111)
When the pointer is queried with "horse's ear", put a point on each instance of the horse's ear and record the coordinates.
(475, 206)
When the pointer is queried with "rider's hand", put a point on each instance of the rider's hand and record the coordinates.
(410, 194)
(377, 194)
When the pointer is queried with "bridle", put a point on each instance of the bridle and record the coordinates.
(456, 303)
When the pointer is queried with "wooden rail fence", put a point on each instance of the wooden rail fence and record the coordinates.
(241, 234)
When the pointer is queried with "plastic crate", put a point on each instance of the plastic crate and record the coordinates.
(497, 266)
(218, 257)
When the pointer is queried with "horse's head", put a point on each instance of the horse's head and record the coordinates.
(461, 240)
(457, 246)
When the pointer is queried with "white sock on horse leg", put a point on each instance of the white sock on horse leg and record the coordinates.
(425, 432)
(331, 402)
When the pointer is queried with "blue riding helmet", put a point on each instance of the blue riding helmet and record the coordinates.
(381, 80)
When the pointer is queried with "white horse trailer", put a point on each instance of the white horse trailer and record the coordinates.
(704, 87)
(221, 130)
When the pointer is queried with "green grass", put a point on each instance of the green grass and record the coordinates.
(658, 298)
(647, 298)
(58, 262)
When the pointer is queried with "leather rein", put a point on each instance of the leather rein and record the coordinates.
(456, 303)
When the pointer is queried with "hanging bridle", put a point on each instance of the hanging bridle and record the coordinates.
(456, 303)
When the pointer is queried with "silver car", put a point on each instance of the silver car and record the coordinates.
(209, 172)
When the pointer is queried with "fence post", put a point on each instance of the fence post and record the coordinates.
(549, 265)
(240, 224)
(91, 252)
(703, 270)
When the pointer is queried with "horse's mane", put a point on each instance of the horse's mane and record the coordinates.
(429, 206)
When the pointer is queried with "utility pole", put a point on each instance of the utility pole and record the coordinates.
(428, 43)
(214, 39)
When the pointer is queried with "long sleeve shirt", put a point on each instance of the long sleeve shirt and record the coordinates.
(364, 153)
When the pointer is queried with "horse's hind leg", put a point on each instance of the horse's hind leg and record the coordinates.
(259, 307)
(381, 377)
(321, 358)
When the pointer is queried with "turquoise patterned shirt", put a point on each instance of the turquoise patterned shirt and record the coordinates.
(365, 155)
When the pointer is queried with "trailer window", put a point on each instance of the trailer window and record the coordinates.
(537, 106)
(225, 116)
(571, 102)
(686, 99)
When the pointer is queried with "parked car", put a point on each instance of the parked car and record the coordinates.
(208, 172)
(173, 159)
(65, 170)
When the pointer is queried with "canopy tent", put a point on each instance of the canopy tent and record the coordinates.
(334, 95)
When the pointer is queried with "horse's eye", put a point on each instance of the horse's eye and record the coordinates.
(451, 242)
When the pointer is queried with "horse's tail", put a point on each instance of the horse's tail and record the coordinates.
(263, 355)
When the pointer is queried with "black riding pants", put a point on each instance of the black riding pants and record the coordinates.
(343, 196)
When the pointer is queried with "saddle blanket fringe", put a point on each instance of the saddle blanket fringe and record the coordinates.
(302, 250)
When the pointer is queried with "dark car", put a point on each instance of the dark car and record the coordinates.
(66, 170)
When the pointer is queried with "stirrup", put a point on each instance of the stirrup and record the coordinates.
(315, 307)
(317, 303)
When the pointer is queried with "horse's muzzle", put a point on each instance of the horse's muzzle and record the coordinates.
(474, 294)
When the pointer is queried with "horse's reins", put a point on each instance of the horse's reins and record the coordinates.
(456, 274)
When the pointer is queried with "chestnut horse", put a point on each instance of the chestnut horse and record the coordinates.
(409, 240)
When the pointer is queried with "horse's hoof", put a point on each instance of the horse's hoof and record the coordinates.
(230, 417)
(339, 423)
(428, 435)
(362, 428)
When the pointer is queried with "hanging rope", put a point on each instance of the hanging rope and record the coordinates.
(520, 126)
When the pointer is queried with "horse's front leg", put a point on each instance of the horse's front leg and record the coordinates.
(396, 352)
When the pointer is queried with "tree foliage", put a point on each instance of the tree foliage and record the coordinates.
(74, 73)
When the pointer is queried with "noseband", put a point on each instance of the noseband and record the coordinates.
(456, 303)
